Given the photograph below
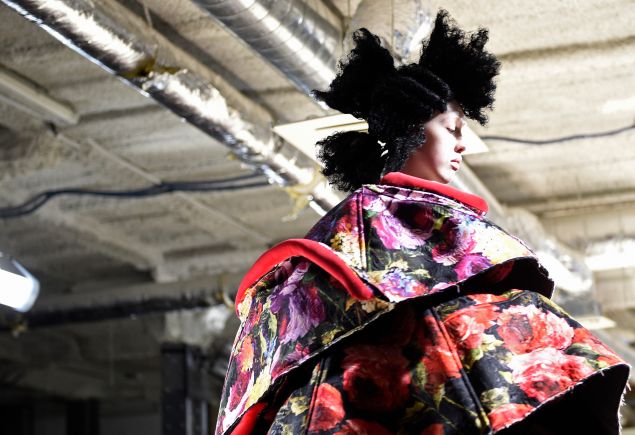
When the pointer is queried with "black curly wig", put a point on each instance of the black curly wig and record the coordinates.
(397, 102)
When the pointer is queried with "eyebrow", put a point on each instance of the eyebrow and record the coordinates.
(455, 113)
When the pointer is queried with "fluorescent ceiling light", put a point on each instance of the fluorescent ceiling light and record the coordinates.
(23, 95)
(304, 135)
(18, 288)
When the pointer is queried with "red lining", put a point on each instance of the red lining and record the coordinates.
(311, 250)
(405, 180)
(247, 423)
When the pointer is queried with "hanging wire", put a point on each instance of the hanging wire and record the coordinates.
(560, 139)
(228, 184)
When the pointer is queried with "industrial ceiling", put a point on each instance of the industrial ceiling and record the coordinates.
(113, 269)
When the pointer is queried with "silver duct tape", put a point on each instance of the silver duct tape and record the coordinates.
(78, 25)
(95, 35)
(287, 33)
(403, 24)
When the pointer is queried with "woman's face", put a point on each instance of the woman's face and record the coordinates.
(439, 157)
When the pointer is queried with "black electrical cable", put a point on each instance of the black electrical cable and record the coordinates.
(227, 184)
(560, 139)
(40, 199)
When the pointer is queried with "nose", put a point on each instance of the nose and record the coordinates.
(459, 147)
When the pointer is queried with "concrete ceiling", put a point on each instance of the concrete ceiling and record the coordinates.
(568, 69)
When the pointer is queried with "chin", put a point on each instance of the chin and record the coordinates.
(446, 178)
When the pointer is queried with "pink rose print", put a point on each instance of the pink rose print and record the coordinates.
(470, 265)
(544, 373)
(487, 298)
(457, 242)
(393, 232)
(394, 235)
(525, 328)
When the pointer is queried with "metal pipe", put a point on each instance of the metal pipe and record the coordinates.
(86, 28)
(303, 45)
(115, 310)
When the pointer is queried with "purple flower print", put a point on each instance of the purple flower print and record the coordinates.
(470, 265)
(457, 242)
(298, 306)
(394, 234)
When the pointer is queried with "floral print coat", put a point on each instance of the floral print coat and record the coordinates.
(404, 310)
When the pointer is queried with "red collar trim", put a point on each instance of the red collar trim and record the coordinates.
(403, 180)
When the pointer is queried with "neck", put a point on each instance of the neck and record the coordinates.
(405, 180)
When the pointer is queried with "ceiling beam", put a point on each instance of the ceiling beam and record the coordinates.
(581, 203)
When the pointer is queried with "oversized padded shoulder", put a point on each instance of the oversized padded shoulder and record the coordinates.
(318, 253)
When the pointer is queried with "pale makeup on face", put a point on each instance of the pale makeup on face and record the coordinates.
(439, 157)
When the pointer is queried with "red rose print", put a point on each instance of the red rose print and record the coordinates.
(500, 272)
(440, 366)
(468, 325)
(440, 360)
(347, 223)
(584, 336)
(433, 429)
(362, 427)
(329, 409)
(424, 218)
(376, 377)
(487, 298)
(609, 359)
(544, 373)
(525, 328)
(507, 414)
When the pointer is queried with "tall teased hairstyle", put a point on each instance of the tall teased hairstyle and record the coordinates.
(396, 102)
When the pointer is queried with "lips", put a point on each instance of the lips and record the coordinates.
(455, 164)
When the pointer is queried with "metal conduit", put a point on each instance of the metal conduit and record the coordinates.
(85, 28)
(287, 33)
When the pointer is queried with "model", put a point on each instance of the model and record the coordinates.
(404, 310)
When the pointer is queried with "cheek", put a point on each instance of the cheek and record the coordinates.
(439, 154)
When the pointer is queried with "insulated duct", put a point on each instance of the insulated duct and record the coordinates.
(85, 27)
(403, 24)
(298, 41)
